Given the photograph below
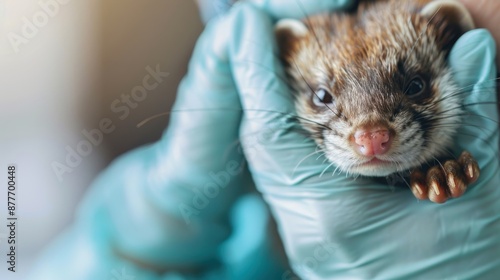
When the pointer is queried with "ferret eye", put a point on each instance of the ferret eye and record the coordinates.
(415, 87)
(322, 97)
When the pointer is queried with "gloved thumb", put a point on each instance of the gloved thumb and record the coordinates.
(472, 60)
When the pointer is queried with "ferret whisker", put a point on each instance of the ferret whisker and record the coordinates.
(273, 72)
(449, 152)
(462, 124)
(470, 114)
(483, 82)
(439, 162)
(441, 115)
(493, 149)
(445, 115)
(324, 153)
(254, 133)
(292, 116)
(335, 170)
(275, 53)
(313, 30)
(453, 72)
(422, 34)
(491, 90)
(302, 160)
(483, 89)
(397, 163)
(404, 179)
(326, 168)
(312, 90)
(401, 169)
(422, 160)
(326, 159)
(314, 122)
(467, 89)
(307, 139)
(482, 103)
(484, 117)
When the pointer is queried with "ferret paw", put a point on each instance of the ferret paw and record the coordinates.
(449, 180)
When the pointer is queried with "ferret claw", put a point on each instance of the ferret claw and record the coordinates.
(449, 180)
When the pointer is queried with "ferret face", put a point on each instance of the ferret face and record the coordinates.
(375, 86)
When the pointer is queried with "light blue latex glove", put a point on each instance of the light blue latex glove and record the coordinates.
(168, 204)
(335, 227)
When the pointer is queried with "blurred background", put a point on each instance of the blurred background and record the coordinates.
(71, 73)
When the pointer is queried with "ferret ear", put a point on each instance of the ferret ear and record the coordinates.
(451, 19)
(288, 32)
(292, 27)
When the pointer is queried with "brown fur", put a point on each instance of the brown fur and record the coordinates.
(365, 59)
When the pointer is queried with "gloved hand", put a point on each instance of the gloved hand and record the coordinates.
(165, 207)
(337, 227)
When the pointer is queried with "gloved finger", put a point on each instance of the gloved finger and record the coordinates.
(299, 8)
(256, 66)
(93, 253)
(155, 220)
(207, 108)
(473, 63)
(81, 255)
(91, 257)
(177, 188)
(276, 8)
(207, 113)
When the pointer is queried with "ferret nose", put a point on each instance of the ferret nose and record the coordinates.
(372, 142)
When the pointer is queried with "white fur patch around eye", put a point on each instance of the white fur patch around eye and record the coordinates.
(296, 27)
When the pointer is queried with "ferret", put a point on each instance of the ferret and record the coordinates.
(376, 90)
